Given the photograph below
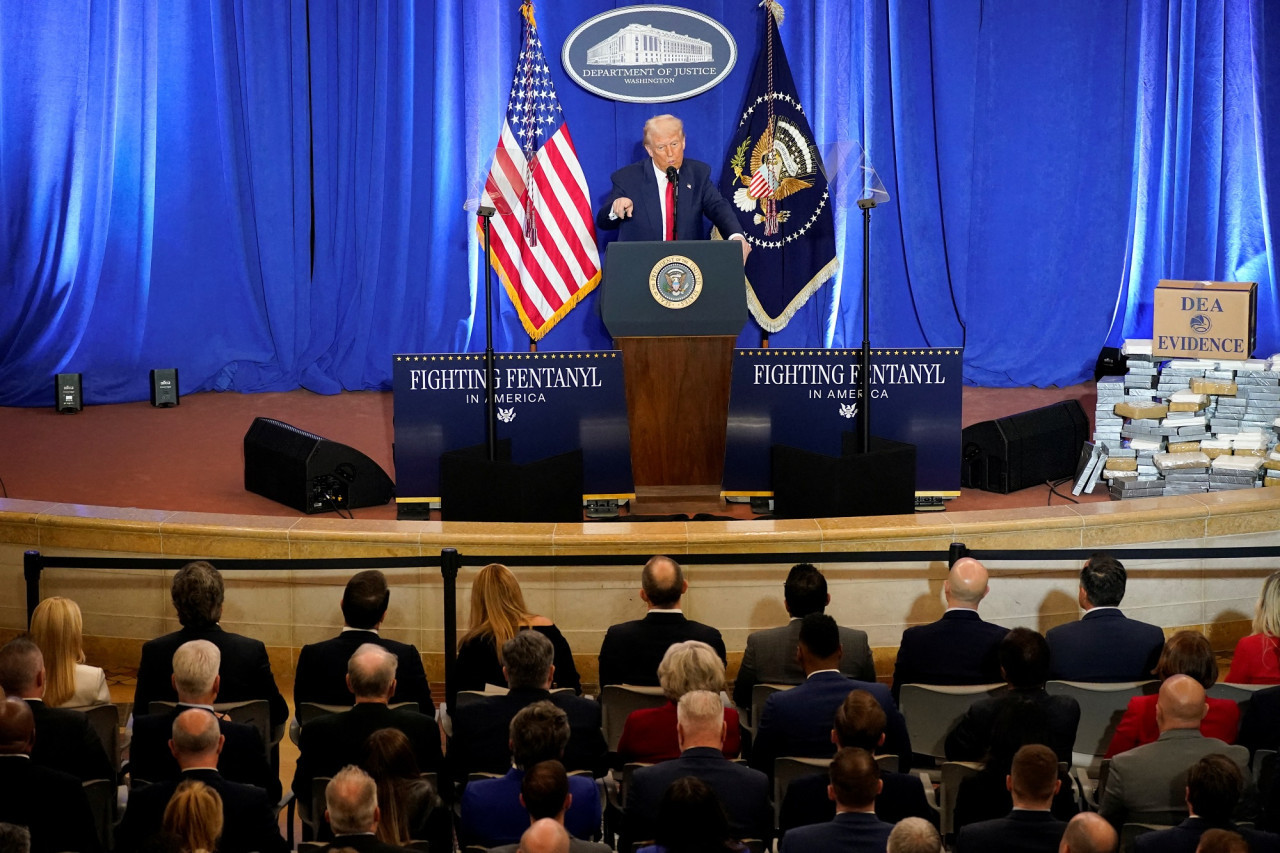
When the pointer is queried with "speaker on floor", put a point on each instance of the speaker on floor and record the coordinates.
(68, 393)
(881, 481)
(164, 387)
(473, 488)
(310, 473)
(1027, 449)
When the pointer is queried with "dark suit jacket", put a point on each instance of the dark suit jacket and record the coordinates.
(971, 737)
(985, 797)
(1260, 725)
(1185, 837)
(51, 804)
(243, 758)
(698, 197)
(1104, 645)
(65, 741)
(329, 743)
(245, 670)
(631, 651)
(321, 675)
(770, 658)
(960, 648)
(478, 663)
(1020, 832)
(806, 801)
(491, 813)
(799, 721)
(851, 832)
(362, 843)
(482, 732)
(249, 824)
(743, 792)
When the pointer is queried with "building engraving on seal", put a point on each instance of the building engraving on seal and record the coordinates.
(643, 44)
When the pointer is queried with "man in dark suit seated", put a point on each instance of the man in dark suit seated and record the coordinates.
(1260, 723)
(481, 729)
(544, 793)
(959, 648)
(331, 742)
(631, 651)
(855, 786)
(49, 803)
(64, 739)
(1104, 645)
(322, 667)
(1030, 827)
(1024, 662)
(197, 593)
(351, 808)
(798, 721)
(249, 824)
(700, 729)
(1214, 787)
(1089, 832)
(770, 656)
(860, 723)
(195, 677)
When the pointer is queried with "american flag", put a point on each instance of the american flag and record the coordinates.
(544, 240)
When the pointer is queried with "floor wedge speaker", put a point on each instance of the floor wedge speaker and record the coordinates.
(881, 481)
(309, 473)
(475, 488)
(1027, 449)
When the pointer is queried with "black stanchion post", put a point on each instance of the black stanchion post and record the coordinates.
(450, 563)
(31, 573)
(956, 552)
(490, 405)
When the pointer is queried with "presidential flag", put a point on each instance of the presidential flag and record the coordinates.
(774, 178)
(543, 244)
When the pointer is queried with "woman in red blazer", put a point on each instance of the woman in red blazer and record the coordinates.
(1185, 653)
(649, 735)
(1257, 657)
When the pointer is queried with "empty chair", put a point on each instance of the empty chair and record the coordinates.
(931, 711)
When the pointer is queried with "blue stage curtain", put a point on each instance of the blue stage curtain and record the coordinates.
(270, 195)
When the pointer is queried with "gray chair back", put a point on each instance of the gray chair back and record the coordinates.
(788, 768)
(931, 711)
(1238, 693)
(619, 700)
(1101, 707)
(760, 694)
(101, 794)
(953, 773)
(105, 722)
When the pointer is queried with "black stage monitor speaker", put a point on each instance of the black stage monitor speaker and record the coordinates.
(814, 485)
(1023, 450)
(164, 387)
(474, 489)
(68, 393)
(310, 473)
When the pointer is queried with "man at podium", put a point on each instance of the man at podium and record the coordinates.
(666, 196)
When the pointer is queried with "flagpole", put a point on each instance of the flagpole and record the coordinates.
(490, 406)
(864, 358)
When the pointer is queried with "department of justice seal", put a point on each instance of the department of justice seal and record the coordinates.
(675, 282)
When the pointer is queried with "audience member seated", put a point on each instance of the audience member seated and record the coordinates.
(196, 743)
(14, 838)
(743, 792)
(49, 803)
(544, 793)
(58, 629)
(321, 673)
(1031, 826)
(1024, 663)
(1147, 784)
(545, 836)
(331, 742)
(411, 808)
(491, 809)
(859, 723)
(985, 795)
(1214, 788)
(1104, 645)
(197, 594)
(194, 817)
(691, 819)
(770, 656)
(798, 721)
(351, 808)
(481, 731)
(632, 651)
(914, 835)
(64, 739)
(1257, 656)
(855, 785)
(498, 613)
(649, 734)
(1089, 832)
(1186, 653)
(959, 648)
(1222, 841)
(1260, 723)
(195, 677)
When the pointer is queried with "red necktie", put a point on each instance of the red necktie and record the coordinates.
(671, 211)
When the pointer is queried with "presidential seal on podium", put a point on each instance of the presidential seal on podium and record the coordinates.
(675, 282)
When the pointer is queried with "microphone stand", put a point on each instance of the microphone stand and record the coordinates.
(864, 358)
(490, 405)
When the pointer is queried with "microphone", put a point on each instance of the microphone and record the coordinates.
(673, 177)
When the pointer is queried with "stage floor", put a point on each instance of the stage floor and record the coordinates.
(190, 457)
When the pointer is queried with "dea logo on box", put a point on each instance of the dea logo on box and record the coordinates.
(649, 54)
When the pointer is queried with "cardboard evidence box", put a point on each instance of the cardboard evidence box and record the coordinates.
(1205, 319)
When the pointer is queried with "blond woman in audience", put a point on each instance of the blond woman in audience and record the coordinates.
(194, 817)
(1257, 656)
(58, 629)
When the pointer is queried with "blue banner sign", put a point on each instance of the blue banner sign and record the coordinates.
(547, 403)
(807, 398)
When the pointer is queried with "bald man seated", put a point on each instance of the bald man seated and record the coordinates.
(1089, 832)
(1148, 784)
(959, 648)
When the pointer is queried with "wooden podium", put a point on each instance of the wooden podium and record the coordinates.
(675, 310)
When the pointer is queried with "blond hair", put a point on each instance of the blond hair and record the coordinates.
(497, 607)
(194, 815)
(691, 665)
(58, 629)
(1266, 618)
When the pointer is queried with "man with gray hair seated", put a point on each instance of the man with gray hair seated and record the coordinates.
(914, 835)
(351, 808)
(481, 732)
(329, 743)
